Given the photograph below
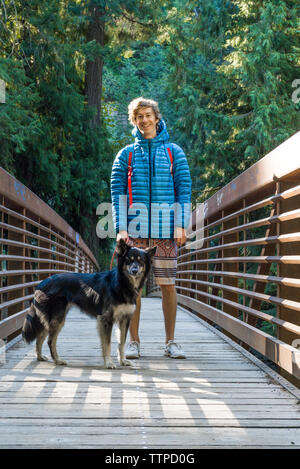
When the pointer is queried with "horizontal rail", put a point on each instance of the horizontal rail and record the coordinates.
(288, 238)
(243, 252)
(32, 235)
(12, 324)
(276, 165)
(15, 273)
(28, 220)
(293, 192)
(275, 350)
(294, 305)
(20, 299)
(17, 287)
(253, 312)
(35, 243)
(34, 260)
(295, 214)
(33, 248)
(253, 259)
(20, 196)
(289, 282)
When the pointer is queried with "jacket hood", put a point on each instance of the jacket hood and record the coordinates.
(161, 136)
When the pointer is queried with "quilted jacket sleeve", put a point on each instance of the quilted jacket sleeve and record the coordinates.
(119, 181)
(183, 186)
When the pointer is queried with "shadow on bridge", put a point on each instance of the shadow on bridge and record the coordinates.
(241, 273)
(217, 397)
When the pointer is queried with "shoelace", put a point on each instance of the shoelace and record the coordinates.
(133, 345)
(174, 344)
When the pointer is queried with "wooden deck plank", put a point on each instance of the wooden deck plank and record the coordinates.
(216, 398)
(153, 422)
(145, 393)
(126, 437)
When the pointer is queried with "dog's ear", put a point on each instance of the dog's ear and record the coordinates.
(150, 251)
(121, 247)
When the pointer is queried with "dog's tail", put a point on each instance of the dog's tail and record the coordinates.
(32, 325)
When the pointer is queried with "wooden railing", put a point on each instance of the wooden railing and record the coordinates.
(35, 243)
(244, 271)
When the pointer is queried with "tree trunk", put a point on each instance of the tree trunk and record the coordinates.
(93, 79)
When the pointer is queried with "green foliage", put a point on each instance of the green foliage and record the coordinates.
(231, 74)
(222, 72)
(46, 138)
(18, 124)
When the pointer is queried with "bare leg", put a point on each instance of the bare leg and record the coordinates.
(169, 305)
(135, 321)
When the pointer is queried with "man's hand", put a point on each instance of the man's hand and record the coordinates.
(122, 235)
(179, 236)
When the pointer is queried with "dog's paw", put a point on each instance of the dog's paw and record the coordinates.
(126, 362)
(60, 362)
(110, 365)
(42, 358)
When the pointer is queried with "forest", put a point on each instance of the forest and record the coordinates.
(225, 74)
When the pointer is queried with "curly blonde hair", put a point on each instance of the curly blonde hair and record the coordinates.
(137, 103)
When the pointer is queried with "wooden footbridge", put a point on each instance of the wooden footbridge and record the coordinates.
(238, 322)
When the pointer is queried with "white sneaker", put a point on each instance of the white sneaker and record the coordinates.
(174, 350)
(133, 350)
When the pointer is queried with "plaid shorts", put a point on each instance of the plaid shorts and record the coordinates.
(164, 262)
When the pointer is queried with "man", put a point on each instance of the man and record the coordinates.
(150, 172)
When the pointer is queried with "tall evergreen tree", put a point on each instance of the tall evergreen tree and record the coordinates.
(222, 72)
(199, 89)
(52, 62)
(19, 123)
(232, 68)
(61, 158)
(265, 63)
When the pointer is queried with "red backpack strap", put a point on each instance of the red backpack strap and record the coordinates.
(171, 167)
(129, 178)
(171, 159)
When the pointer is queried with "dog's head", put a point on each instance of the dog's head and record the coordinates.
(133, 262)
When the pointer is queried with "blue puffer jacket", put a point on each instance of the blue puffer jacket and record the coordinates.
(152, 184)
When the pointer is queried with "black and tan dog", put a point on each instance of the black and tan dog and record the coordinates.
(107, 296)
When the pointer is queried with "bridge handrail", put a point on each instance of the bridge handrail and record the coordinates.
(35, 242)
(245, 265)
